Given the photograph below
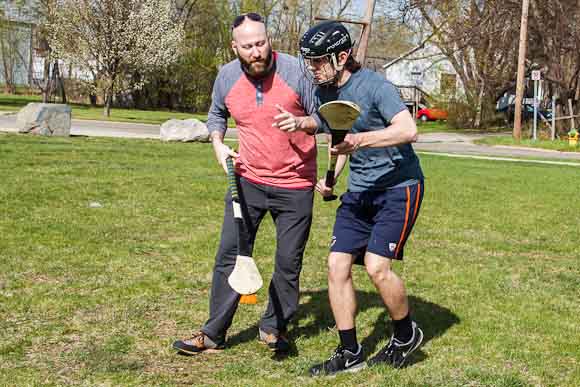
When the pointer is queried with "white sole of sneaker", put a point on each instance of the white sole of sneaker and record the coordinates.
(352, 370)
(357, 368)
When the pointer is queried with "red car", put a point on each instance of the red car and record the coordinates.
(431, 114)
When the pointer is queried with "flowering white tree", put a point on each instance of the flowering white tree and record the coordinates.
(113, 38)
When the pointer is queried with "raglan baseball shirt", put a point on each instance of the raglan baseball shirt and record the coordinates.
(268, 155)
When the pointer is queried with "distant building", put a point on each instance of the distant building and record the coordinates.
(18, 61)
(428, 70)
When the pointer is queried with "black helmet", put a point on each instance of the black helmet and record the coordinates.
(326, 38)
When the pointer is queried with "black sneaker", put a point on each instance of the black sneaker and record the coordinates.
(395, 353)
(342, 360)
(198, 342)
(276, 343)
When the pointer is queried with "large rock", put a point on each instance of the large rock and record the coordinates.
(46, 119)
(184, 130)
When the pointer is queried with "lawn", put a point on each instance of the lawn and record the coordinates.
(95, 294)
(557, 145)
(432, 126)
(14, 103)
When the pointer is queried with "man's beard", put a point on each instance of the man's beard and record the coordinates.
(258, 69)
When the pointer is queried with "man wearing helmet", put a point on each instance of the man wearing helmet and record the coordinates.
(385, 190)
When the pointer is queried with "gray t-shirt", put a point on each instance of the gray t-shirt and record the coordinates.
(375, 169)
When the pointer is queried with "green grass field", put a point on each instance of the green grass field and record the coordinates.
(432, 126)
(95, 296)
(557, 145)
(14, 103)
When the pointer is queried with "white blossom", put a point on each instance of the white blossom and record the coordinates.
(113, 38)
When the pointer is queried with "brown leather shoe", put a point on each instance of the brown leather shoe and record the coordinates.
(275, 343)
(198, 342)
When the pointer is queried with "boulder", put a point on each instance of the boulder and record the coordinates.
(46, 119)
(184, 130)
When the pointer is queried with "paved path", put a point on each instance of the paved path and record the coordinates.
(454, 143)
(442, 143)
(100, 128)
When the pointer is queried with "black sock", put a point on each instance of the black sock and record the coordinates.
(348, 340)
(403, 329)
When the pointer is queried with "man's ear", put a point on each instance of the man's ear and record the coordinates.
(342, 57)
(234, 48)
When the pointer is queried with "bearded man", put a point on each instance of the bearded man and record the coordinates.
(270, 102)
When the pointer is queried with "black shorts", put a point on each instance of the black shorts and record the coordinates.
(376, 221)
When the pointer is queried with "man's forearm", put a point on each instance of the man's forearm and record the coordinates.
(393, 135)
(340, 163)
(402, 130)
(216, 137)
(217, 141)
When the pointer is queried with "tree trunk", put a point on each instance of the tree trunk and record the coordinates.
(7, 64)
(560, 123)
(108, 98)
(58, 81)
(30, 57)
(47, 82)
(479, 108)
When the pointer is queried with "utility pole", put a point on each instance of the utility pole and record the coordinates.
(517, 133)
(361, 52)
(365, 24)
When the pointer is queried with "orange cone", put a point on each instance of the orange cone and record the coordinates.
(250, 299)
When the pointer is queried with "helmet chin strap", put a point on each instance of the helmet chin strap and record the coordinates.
(335, 63)
(338, 71)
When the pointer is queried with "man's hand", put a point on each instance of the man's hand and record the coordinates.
(350, 145)
(322, 189)
(222, 152)
(287, 121)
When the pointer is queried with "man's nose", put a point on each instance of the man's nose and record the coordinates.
(255, 52)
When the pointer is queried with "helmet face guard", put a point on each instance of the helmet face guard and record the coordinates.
(309, 62)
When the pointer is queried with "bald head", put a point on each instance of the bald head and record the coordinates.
(249, 28)
(252, 46)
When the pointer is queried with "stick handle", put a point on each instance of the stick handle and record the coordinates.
(232, 178)
(337, 136)
(329, 182)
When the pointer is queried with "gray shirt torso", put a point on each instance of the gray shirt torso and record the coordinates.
(373, 169)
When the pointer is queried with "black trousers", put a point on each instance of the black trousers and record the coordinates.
(291, 211)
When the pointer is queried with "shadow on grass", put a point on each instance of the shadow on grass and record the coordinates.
(434, 320)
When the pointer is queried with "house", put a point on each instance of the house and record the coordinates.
(17, 59)
(427, 71)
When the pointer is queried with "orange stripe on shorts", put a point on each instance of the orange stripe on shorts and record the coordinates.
(417, 202)
(408, 207)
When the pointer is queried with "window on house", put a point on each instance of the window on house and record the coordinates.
(448, 84)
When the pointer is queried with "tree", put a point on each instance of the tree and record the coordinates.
(112, 39)
(554, 37)
(186, 84)
(389, 38)
(479, 38)
(44, 11)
